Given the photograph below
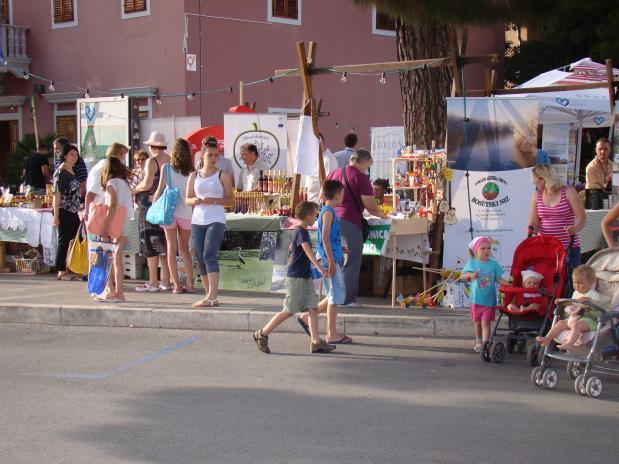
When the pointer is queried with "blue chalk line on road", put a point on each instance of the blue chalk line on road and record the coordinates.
(129, 365)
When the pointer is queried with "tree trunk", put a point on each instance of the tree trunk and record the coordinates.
(424, 90)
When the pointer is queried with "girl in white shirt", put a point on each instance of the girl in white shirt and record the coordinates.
(178, 232)
(209, 190)
(115, 180)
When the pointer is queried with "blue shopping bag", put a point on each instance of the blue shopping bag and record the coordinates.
(161, 211)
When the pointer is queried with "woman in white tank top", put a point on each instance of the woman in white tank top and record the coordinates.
(208, 191)
(178, 232)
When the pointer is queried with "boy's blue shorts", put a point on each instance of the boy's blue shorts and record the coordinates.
(335, 287)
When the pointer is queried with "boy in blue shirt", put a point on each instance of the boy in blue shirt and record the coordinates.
(331, 254)
(300, 293)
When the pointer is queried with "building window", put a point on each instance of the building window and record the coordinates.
(382, 24)
(284, 11)
(64, 13)
(66, 126)
(5, 16)
(134, 8)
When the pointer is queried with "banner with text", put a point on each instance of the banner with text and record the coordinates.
(386, 141)
(499, 208)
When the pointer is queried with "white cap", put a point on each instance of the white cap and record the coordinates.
(529, 273)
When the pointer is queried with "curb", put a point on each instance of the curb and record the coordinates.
(457, 325)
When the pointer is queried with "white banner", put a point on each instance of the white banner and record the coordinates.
(265, 130)
(306, 155)
(556, 142)
(499, 204)
(385, 144)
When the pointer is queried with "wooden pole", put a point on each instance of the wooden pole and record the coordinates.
(34, 120)
(241, 102)
(611, 90)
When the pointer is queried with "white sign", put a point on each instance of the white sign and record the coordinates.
(499, 205)
(191, 62)
(386, 141)
(555, 142)
(266, 131)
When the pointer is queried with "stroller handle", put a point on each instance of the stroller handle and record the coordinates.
(518, 290)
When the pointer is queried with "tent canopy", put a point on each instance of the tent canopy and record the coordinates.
(591, 105)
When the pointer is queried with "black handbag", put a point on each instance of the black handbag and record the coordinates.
(365, 226)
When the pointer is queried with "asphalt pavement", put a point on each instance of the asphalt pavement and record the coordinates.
(117, 395)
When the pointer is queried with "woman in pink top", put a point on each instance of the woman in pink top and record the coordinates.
(556, 210)
(358, 196)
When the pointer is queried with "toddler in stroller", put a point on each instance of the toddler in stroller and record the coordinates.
(593, 348)
(528, 301)
(580, 320)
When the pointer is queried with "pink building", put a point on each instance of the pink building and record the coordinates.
(137, 47)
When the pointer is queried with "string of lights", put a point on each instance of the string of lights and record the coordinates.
(88, 92)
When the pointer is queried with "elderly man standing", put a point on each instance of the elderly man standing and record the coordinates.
(249, 176)
(599, 171)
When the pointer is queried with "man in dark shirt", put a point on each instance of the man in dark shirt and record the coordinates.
(36, 171)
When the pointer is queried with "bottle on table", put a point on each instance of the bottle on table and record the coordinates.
(261, 182)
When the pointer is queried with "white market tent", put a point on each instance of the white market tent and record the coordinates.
(585, 107)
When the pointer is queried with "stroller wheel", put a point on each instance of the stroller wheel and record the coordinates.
(485, 352)
(550, 378)
(573, 369)
(580, 386)
(593, 387)
(509, 343)
(497, 352)
(536, 377)
(534, 354)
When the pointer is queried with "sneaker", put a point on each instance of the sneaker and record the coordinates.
(146, 287)
(321, 347)
(353, 304)
(262, 341)
(164, 287)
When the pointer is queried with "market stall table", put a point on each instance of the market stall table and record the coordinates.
(27, 225)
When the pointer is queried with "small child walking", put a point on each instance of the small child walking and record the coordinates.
(300, 293)
(483, 273)
(579, 320)
(332, 255)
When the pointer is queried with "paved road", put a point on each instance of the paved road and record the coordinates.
(96, 395)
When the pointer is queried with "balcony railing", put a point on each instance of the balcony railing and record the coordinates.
(14, 49)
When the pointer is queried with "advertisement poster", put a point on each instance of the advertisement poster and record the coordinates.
(386, 141)
(495, 135)
(102, 121)
(407, 247)
(266, 131)
(556, 142)
(499, 209)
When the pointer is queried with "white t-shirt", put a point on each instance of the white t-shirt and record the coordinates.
(123, 195)
(93, 181)
(208, 187)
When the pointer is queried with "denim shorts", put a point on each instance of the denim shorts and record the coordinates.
(334, 286)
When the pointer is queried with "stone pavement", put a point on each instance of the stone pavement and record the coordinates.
(42, 299)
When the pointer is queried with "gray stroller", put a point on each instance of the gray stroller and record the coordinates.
(598, 350)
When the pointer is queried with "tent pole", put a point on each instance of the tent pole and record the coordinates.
(578, 146)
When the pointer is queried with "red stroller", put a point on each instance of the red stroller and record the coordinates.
(547, 256)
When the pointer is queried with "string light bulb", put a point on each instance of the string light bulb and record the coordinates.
(382, 79)
(158, 99)
(87, 94)
(343, 78)
(51, 86)
(26, 75)
(190, 96)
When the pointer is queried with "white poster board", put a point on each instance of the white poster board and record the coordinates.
(266, 131)
(386, 141)
(556, 142)
(499, 208)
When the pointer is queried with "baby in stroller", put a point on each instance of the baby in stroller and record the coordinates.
(579, 320)
(528, 301)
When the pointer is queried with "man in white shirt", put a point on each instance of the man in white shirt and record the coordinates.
(343, 157)
(250, 174)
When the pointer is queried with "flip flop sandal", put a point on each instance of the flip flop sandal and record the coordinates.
(345, 340)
